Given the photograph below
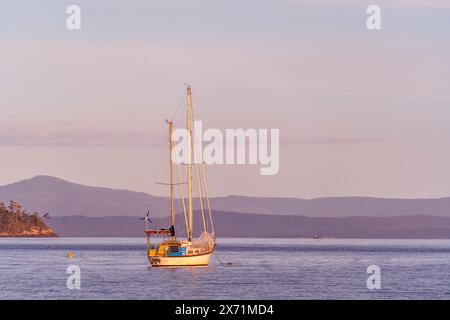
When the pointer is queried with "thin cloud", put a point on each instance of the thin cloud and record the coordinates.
(328, 140)
(64, 133)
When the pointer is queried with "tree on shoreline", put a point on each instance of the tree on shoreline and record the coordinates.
(15, 220)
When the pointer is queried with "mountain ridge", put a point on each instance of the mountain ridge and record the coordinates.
(231, 224)
(63, 198)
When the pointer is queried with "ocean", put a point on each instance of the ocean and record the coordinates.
(117, 268)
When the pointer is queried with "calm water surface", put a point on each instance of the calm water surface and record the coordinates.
(117, 268)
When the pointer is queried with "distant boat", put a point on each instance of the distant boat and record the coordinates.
(318, 237)
(172, 251)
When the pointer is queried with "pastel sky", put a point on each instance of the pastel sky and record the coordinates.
(364, 113)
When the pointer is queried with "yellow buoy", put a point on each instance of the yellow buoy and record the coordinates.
(69, 255)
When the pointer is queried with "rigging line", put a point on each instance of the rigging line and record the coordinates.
(179, 124)
(182, 195)
(180, 103)
(167, 161)
(184, 175)
(200, 197)
(224, 264)
(157, 173)
(162, 151)
(169, 184)
(168, 218)
(162, 171)
(207, 198)
(199, 189)
(204, 180)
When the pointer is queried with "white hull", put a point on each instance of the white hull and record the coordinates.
(182, 261)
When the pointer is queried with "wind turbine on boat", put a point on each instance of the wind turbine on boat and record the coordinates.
(147, 220)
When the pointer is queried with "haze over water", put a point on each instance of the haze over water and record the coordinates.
(117, 268)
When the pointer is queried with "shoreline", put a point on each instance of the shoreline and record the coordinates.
(46, 234)
(267, 238)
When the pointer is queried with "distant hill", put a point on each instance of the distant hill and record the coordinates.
(63, 198)
(229, 224)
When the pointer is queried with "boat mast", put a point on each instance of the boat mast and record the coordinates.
(172, 206)
(190, 147)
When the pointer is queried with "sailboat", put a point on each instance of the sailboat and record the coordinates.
(173, 251)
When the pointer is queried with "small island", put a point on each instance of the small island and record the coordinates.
(16, 222)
